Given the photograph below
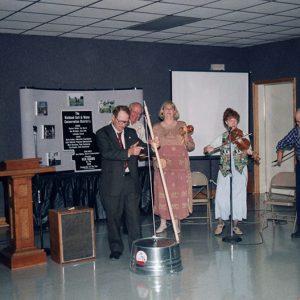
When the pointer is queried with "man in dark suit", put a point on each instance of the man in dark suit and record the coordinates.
(119, 148)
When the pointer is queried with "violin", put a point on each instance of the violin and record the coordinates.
(189, 129)
(185, 131)
(238, 138)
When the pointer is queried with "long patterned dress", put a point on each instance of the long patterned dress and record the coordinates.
(177, 172)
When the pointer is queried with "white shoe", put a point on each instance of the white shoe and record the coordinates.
(162, 227)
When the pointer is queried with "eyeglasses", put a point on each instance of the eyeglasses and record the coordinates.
(120, 122)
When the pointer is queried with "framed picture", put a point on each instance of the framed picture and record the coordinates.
(75, 100)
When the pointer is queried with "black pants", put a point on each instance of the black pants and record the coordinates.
(298, 193)
(128, 203)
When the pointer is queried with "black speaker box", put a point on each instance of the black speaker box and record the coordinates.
(72, 234)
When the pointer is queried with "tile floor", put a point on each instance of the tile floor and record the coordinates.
(261, 266)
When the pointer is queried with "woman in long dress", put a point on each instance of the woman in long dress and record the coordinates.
(175, 143)
(239, 160)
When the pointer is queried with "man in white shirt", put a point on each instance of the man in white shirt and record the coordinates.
(136, 111)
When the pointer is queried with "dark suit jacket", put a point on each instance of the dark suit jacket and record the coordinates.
(113, 157)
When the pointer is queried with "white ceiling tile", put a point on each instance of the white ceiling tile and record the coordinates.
(238, 16)
(292, 31)
(17, 25)
(4, 13)
(219, 39)
(115, 24)
(225, 44)
(246, 41)
(137, 17)
(215, 32)
(191, 37)
(202, 12)
(268, 29)
(55, 9)
(271, 36)
(110, 37)
(291, 1)
(161, 35)
(8, 30)
(242, 34)
(93, 30)
(170, 41)
(270, 19)
(120, 4)
(182, 29)
(74, 21)
(291, 13)
(163, 8)
(190, 2)
(233, 4)
(128, 33)
(200, 43)
(13, 5)
(78, 35)
(295, 22)
(271, 7)
(241, 26)
(56, 27)
(31, 17)
(70, 2)
(95, 13)
(41, 32)
(209, 23)
(143, 39)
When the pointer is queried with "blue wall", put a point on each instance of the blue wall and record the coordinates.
(49, 62)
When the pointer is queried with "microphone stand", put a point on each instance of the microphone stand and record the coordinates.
(231, 238)
(47, 250)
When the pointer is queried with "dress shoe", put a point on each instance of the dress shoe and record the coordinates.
(219, 229)
(296, 235)
(115, 255)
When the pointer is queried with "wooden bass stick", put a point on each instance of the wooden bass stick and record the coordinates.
(161, 172)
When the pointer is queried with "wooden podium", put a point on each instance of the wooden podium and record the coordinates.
(21, 252)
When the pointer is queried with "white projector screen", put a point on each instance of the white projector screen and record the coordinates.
(202, 97)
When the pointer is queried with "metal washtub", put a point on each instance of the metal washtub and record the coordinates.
(155, 256)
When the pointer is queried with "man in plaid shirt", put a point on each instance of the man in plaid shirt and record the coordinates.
(292, 140)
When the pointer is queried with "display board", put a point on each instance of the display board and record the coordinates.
(202, 97)
(59, 126)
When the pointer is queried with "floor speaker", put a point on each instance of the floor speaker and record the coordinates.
(72, 235)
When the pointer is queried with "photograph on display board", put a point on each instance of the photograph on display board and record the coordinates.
(48, 131)
(41, 108)
(53, 158)
(76, 99)
(106, 106)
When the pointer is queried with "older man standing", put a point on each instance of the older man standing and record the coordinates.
(292, 140)
(136, 111)
(119, 148)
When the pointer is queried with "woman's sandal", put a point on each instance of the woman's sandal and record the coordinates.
(219, 229)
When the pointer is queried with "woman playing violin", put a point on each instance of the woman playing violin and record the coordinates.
(240, 149)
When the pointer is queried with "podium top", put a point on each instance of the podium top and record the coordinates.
(23, 167)
(20, 164)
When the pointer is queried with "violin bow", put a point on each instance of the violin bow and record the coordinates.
(286, 157)
(226, 143)
(161, 172)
